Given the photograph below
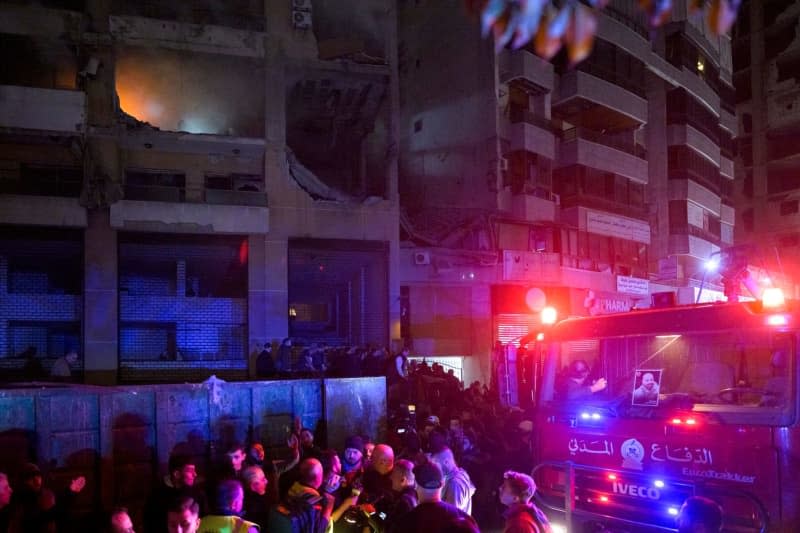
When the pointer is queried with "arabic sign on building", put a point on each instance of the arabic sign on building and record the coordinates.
(528, 266)
(668, 267)
(617, 226)
(630, 285)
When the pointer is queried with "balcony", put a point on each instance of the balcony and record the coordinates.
(692, 245)
(157, 201)
(689, 190)
(688, 135)
(47, 110)
(521, 64)
(607, 205)
(531, 133)
(684, 109)
(601, 98)
(591, 149)
(136, 215)
(531, 207)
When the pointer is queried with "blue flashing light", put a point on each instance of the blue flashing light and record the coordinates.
(585, 416)
(596, 416)
(658, 483)
(673, 511)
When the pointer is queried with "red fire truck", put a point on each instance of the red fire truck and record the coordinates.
(700, 400)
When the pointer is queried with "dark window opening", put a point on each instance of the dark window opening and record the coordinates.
(789, 208)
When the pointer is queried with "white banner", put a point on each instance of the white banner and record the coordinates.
(617, 226)
(630, 285)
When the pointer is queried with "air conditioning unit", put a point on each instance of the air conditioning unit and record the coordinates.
(301, 5)
(422, 258)
(503, 164)
(301, 20)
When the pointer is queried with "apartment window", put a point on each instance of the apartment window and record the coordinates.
(789, 208)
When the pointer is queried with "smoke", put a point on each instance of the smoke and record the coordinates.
(192, 92)
(367, 21)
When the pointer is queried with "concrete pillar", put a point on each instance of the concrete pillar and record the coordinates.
(478, 366)
(256, 299)
(275, 316)
(276, 291)
(657, 193)
(101, 312)
(3, 295)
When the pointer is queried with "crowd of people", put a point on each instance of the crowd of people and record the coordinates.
(455, 459)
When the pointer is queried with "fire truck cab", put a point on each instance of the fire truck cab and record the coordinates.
(699, 400)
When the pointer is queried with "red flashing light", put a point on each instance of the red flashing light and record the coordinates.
(540, 337)
(549, 315)
(612, 477)
(603, 498)
(683, 421)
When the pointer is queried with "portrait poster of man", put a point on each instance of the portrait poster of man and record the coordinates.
(646, 387)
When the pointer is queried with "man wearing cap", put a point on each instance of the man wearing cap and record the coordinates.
(522, 516)
(458, 488)
(352, 458)
(431, 515)
(39, 508)
(575, 386)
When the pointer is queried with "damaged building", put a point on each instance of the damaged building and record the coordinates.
(183, 182)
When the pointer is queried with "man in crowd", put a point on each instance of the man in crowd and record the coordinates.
(522, 516)
(5, 500)
(121, 521)
(432, 515)
(40, 510)
(256, 500)
(458, 488)
(183, 515)
(179, 481)
(352, 459)
(304, 503)
(403, 496)
(700, 515)
(229, 505)
(62, 367)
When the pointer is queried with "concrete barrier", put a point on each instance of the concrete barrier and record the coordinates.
(121, 438)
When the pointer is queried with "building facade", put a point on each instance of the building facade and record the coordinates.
(768, 168)
(181, 183)
(526, 183)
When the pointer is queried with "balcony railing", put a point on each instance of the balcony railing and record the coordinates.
(42, 181)
(247, 198)
(517, 115)
(690, 229)
(155, 193)
(609, 74)
(604, 204)
(606, 140)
